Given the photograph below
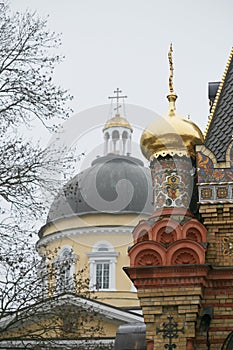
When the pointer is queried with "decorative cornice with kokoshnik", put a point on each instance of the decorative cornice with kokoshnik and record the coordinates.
(203, 275)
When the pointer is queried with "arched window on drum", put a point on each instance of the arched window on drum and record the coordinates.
(102, 261)
(64, 270)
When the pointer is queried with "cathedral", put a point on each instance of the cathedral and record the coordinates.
(155, 243)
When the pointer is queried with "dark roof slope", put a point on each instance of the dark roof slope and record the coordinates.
(220, 128)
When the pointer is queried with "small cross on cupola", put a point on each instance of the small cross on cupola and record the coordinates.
(117, 97)
(117, 130)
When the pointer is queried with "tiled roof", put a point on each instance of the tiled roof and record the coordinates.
(220, 127)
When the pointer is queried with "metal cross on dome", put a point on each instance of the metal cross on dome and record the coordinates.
(171, 87)
(117, 97)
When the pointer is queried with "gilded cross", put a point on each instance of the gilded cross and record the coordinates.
(171, 69)
(117, 97)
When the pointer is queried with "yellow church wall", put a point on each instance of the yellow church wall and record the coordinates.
(123, 299)
(53, 327)
(110, 329)
(82, 243)
(29, 328)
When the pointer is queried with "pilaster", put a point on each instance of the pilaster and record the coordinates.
(170, 291)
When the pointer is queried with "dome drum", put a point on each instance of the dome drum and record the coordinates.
(172, 182)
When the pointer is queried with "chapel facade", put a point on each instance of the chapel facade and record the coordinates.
(181, 261)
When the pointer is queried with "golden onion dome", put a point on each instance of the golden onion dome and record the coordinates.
(170, 135)
(117, 121)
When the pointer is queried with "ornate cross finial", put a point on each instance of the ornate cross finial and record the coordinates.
(171, 88)
(117, 97)
(172, 96)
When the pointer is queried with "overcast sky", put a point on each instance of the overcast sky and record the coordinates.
(124, 43)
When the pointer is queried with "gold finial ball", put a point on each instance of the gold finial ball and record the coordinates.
(170, 135)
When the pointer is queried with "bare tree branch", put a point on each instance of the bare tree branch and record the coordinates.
(28, 174)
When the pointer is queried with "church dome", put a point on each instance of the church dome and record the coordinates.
(113, 184)
(117, 121)
(170, 135)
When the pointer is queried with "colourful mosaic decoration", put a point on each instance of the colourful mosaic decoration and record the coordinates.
(227, 246)
(207, 172)
(215, 184)
(173, 186)
(173, 183)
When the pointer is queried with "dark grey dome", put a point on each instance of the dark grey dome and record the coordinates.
(113, 184)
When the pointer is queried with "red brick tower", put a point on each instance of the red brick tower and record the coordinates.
(182, 269)
(215, 180)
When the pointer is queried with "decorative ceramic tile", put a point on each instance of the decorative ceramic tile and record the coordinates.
(206, 193)
(227, 246)
(222, 192)
(214, 193)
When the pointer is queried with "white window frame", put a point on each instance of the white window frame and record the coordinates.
(108, 256)
(103, 265)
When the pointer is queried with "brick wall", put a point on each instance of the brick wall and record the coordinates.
(183, 304)
(218, 219)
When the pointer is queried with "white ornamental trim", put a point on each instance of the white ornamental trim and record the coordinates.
(69, 233)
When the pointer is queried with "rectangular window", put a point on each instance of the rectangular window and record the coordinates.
(102, 276)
